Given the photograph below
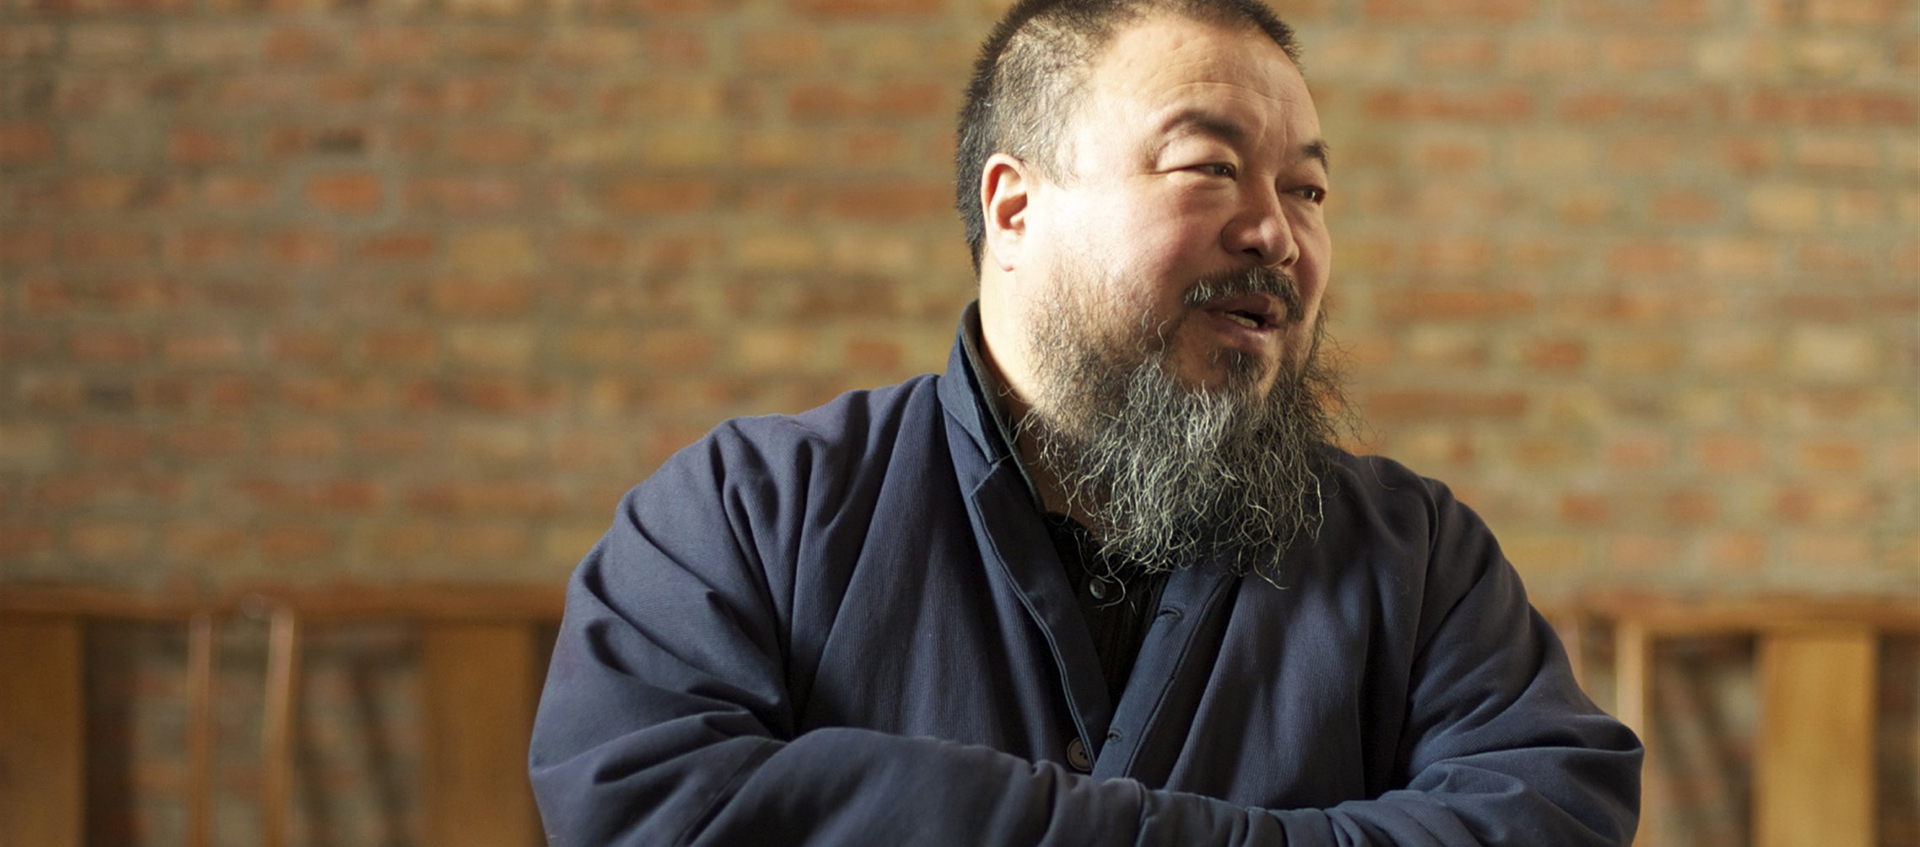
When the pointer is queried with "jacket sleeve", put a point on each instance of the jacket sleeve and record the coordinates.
(1500, 745)
(666, 720)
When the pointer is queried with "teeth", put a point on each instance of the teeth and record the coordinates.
(1243, 320)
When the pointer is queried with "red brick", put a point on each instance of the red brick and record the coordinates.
(1482, 104)
(1638, 15)
(305, 346)
(783, 50)
(886, 100)
(119, 542)
(200, 543)
(200, 146)
(475, 498)
(1400, 405)
(26, 143)
(205, 247)
(400, 346)
(463, 196)
(1736, 553)
(23, 539)
(1553, 355)
(1586, 509)
(1645, 554)
(1638, 452)
(204, 441)
(1449, 11)
(297, 542)
(1836, 506)
(21, 345)
(890, 201)
(1689, 508)
(1438, 304)
(391, 43)
(110, 345)
(1732, 452)
(235, 193)
(859, 9)
(109, 443)
(304, 249)
(1649, 257)
(1832, 107)
(203, 347)
(1687, 206)
(396, 441)
(414, 541)
(107, 246)
(648, 196)
(352, 193)
(494, 145)
(488, 541)
(303, 440)
(24, 246)
(492, 46)
(1455, 52)
(1832, 456)
(590, 249)
(399, 247)
(482, 298)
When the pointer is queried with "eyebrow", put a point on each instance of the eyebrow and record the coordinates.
(1200, 122)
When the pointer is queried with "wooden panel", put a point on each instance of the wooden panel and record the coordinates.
(1813, 774)
(478, 707)
(42, 733)
(1633, 705)
(202, 668)
(277, 727)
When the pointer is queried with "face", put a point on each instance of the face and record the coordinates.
(1188, 222)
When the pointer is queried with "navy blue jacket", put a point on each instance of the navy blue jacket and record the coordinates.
(849, 627)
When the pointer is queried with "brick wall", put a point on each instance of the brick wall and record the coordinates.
(414, 289)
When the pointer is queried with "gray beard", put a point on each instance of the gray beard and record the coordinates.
(1171, 474)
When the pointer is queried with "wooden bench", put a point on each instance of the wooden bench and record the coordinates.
(1817, 667)
(480, 660)
(481, 652)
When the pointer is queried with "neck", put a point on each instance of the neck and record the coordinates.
(1002, 351)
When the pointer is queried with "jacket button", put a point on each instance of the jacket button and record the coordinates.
(1077, 756)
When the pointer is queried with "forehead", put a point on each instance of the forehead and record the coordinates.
(1166, 63)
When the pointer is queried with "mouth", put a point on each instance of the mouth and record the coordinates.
(1253, 311)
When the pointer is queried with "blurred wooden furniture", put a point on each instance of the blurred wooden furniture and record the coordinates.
(1817, 666)
(480, 654)
(480, 657)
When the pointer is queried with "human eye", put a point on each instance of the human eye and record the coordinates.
(1314, 194)
(1219, 169)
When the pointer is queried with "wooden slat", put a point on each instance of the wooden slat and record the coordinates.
(1664, 615)
(1633, 695)
(478, 708)
(1814, 769)
(42, 733)
(282, 710)
(202, 644)
(411, 601)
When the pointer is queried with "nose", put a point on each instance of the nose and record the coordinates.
(1261, 231)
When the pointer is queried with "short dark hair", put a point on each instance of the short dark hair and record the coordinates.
(1033, 65)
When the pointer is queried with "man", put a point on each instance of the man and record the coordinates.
(1105, 581)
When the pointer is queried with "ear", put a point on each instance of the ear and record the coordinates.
(1004, 185)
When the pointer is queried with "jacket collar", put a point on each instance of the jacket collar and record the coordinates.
(970, 391)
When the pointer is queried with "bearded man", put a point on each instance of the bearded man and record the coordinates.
(1106, 580)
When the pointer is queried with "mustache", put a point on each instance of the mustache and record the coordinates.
(1239, 282)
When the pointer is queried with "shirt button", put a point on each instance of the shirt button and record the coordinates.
(1098, 588)
(1077, 756)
